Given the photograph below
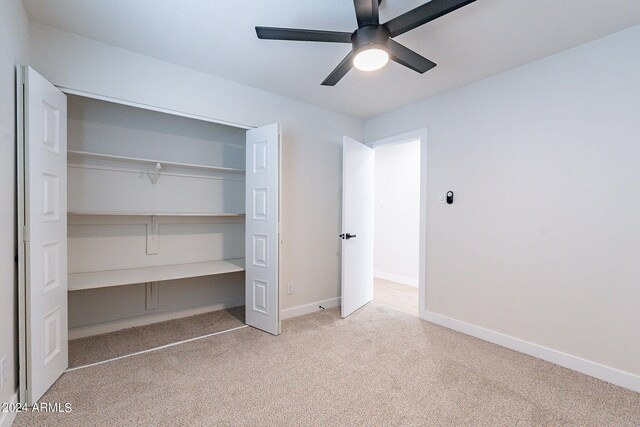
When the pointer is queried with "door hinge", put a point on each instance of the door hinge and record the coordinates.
(25, 236)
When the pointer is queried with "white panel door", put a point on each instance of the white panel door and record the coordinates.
(358, 165)
(262, 228)
(45, 183)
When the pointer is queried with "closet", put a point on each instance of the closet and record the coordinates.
(154, 200)
(127, 210)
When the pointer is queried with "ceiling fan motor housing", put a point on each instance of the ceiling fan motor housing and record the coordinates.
(370, 36)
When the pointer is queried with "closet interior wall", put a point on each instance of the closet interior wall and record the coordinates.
(152, 198)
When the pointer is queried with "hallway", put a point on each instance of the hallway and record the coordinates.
(400, 297)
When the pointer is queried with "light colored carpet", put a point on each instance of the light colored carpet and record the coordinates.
(378, 367)
(97, 348)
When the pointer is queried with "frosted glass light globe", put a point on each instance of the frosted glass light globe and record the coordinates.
(371, 59)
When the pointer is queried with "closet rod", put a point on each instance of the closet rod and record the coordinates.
(114, 157)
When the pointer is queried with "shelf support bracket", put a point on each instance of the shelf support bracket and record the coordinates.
(156, 173)
(153, 229)
(152, 296)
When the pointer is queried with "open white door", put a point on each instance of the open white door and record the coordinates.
(45, 233)
(358, 165)
(262, 228)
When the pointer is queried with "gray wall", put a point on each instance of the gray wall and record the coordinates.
(543, 240)
(14, 49)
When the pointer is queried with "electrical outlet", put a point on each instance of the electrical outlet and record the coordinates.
(290, 288)
(3, 371)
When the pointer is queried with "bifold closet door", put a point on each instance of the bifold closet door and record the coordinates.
(262, 228)
(45, 233)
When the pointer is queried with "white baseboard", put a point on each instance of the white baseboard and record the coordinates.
(300, 310)
(117, 325)
(6, 418)
(396, 278)
(593, 369)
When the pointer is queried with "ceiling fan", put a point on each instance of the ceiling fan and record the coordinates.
(372, 42)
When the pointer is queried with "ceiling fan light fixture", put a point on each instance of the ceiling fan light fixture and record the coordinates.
(371, 59)
(372, 42)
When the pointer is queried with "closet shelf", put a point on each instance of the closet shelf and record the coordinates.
(129, 276)
(113, 157)
(119, 213)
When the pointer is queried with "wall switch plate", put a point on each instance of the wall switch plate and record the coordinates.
(3, 371)
(290, 288)
(441, 197)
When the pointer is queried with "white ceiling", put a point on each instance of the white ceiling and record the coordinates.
(217, 37)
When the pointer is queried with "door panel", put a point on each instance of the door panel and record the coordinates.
(45, 219)
(357, 221)
(262, 228)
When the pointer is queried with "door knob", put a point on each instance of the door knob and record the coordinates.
(347, 236)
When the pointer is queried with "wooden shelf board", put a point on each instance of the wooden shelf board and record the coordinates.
(91, 155)
(103, 279)
(118, 213)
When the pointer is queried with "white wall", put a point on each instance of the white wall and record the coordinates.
(312, 141)
(543, 240)
(397, 212)
(14, 49)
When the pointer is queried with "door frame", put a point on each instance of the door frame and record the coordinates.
(421, 135)
(21, 224)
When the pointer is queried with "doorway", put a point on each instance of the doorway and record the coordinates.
(397, 226)
(358, 230)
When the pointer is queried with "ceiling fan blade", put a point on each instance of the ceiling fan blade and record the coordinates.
(296, 34)
(340, 71)
(409, 58)
(366, 12)
(423, 14)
